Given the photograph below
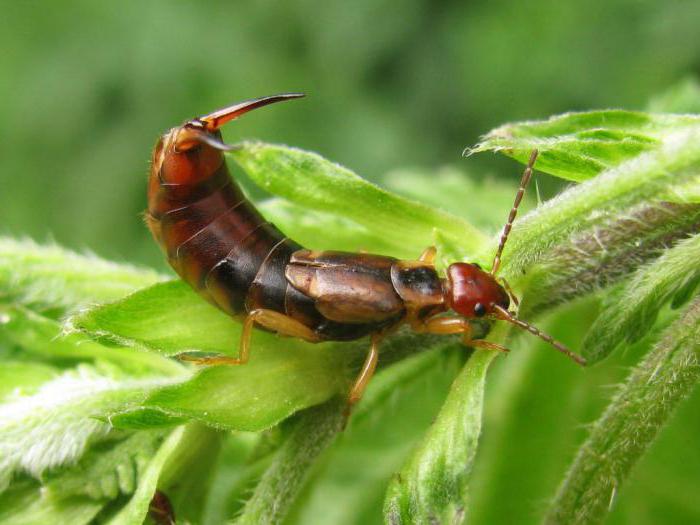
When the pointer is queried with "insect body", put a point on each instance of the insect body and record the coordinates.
(217, 242)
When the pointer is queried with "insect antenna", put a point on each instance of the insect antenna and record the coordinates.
(215, 120)
(527, 175)
(507, 316)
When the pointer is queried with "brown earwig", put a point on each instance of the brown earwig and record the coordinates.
(217, 242)
(160, 510)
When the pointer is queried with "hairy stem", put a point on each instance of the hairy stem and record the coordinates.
(313, 431)
(641, 407)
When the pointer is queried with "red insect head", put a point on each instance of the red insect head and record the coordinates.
(473, 292)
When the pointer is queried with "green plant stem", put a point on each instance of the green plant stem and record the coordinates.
(641, 407)
(313, 431)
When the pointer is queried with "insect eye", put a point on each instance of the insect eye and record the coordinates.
(479, 310)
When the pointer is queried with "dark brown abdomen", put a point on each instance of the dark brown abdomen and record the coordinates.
(218, 243)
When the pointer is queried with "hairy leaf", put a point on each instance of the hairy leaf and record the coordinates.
(638, 411)
(634, 309)
(51, 277)
(54, 425)
(643, 180)
(578, 146)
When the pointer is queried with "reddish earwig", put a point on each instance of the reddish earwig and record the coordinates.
(217, 242)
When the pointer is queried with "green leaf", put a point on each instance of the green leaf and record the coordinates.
(632, 312)
(26, 504)
(18, 378)
(578, 146)
(432, 487)
(607, 252)
(483, 201)
(109, 468)
(348, 484)
(134, 512)
(168, 318)
(309, 180)
(55, 425)
(50, 277)
(643, 181)
(273, 385)
(639, 410)
(42, 337)
(282, 376)
(311, 432)
(186, 477)
(325, 231)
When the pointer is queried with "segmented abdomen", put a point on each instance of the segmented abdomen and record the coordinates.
(218, 242)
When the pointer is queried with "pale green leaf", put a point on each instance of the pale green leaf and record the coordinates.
(578, 146)
(309, 180)
(51, 277)
(42, 337)
(54, 425)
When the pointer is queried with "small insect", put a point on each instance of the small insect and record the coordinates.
(160, 510)
(217, 241)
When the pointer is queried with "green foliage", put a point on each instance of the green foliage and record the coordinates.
(638, 410)
(96, 413)
(433, 485)
(311, 181)
(578, 146)
(631, 311)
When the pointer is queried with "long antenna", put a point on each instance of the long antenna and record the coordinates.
(506, 316)
(527, 174)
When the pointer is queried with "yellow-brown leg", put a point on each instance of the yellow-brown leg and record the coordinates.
(454, 325)
(428, 255)
(366, 373)
(275, 321)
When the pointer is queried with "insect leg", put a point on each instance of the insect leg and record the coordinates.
(275, 321)
(428, 255)
(365, 374)
(455, 325)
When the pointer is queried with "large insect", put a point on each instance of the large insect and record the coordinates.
(217, 242)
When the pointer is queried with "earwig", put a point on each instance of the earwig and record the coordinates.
(160, 510)
(217, 241)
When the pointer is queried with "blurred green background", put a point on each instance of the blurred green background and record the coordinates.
(87, 86)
